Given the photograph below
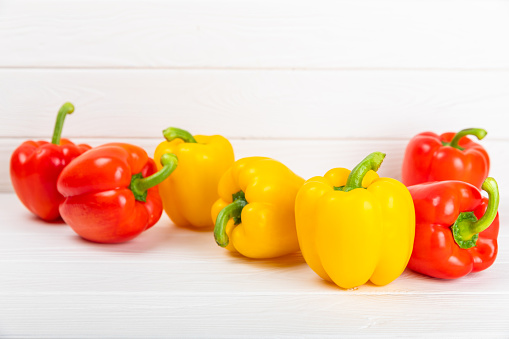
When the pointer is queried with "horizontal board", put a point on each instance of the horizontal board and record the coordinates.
(307, 158)
(177, 281)
(254, 104)
(181, 260)
(255, 34)
(232, 316)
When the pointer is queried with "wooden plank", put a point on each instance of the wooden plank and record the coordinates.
(255, 34)
(307, 158)
(254, 104)
(200, 315)
(213, 271)
(33, 253)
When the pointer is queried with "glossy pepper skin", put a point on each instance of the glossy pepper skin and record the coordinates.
(355, 226)
(456, 228)
(36, 165)
(450, 156)
(111, 194)
(255, 214)
(188, 194)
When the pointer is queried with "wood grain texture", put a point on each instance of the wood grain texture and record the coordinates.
(254, 104)
(232, 316)
(307, 158)
(176, 282)
(255, 34)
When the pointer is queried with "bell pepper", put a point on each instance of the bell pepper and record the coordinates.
(355, 226)
(188, 194)
(456, 228)
(430, 157)
(36, 165)
(111, 194)
(255, 214)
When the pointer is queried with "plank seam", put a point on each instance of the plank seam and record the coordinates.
(110, 137)
(283, 69)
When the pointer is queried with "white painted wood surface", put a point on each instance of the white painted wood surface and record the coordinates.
(255, 104)
(173, 282)
(255, 34)
(314, 84)
(307, 158)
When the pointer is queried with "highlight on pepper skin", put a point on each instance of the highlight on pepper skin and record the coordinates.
(449, 156)
(111, 193)
(36, 165)
(456, 228)
(255, 214)
(189, 193)
(355, 227)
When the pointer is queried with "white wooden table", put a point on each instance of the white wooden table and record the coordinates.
(173, 282)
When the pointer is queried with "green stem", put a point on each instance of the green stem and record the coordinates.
(233, 210)
(371, 162)
(66, 108)
(140, 185)
(172, 133)
(477, 132)
(466, 229)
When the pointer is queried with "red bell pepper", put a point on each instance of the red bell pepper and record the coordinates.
(450, 156)
(456, 228)
(111, 194)
(36, 165)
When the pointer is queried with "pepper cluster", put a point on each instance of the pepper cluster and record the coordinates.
(456, 227)
(351, 226)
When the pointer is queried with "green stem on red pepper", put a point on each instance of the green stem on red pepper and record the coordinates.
(172, 133)
(140, 185)
(479, 133)
(233, 210)
(371, 162)
(66, 108)
(466, 229)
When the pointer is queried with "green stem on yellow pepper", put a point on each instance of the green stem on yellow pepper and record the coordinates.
(66, 108)
(477, 132)
(233, 210)
(172, 133)
(371, 162)
(140, 185)
(466, 228)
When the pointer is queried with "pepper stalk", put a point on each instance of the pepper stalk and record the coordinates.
(233, 210)
(140, 185)
(479, 133)
(372, 162)
(466, 228)
(66, 108)
(172, 133)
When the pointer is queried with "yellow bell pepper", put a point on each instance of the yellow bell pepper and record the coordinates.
(355, 226)
(255, 214)
(190, 191)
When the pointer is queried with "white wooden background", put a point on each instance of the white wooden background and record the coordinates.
(314, 84)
